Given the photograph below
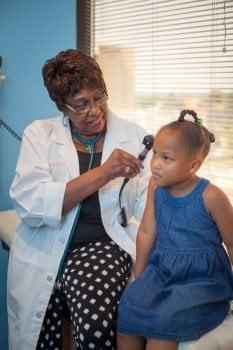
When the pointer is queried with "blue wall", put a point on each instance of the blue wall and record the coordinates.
(31, 31)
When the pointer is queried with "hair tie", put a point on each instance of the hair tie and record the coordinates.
(192, 113)
(198, 121)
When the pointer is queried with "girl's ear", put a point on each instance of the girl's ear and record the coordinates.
(195, 165)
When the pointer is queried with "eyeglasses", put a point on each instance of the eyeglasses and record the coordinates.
(85, 106)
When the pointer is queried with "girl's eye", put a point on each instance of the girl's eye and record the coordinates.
(154, 152)
(166, 158)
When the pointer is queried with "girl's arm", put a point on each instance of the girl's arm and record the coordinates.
(221, 211)
(146, 232)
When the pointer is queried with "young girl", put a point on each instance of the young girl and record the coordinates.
(184, 280)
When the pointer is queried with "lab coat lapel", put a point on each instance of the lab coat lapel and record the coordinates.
(62, 136)
(116, 136)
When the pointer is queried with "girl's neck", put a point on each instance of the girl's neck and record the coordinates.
(184, 187)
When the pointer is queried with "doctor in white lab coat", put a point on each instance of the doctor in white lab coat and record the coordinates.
(47, 191)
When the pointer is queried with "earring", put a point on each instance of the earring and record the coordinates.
(64, 120)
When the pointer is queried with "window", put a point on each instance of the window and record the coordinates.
(159, 57)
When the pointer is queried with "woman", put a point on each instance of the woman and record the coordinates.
(71, 256)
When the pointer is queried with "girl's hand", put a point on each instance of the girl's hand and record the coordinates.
(121, 164)
(138, 270)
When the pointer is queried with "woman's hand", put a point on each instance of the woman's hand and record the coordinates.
(121, 163)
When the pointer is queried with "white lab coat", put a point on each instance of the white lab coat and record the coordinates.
(47, 161)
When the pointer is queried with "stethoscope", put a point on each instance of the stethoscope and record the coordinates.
(90, 144)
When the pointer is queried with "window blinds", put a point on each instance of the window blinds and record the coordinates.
(159, 57)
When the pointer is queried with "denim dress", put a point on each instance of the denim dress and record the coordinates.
(186, 287)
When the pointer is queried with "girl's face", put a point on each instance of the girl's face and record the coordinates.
(171, 164)
(87, 111)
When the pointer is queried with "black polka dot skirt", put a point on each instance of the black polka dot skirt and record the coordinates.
(94, 278)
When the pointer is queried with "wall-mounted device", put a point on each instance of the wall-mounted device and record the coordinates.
(2, 76)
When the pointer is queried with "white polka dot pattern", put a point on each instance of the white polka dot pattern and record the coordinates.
(94, 278)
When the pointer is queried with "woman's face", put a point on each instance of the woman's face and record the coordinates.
(87, 111)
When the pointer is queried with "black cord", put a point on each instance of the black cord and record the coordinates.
(122, 209)
(11, 131)
(148, 143)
